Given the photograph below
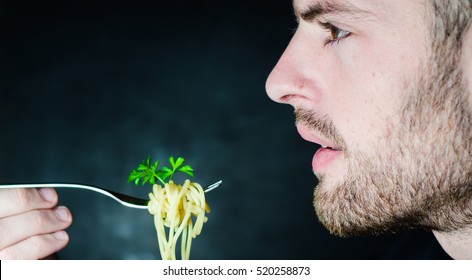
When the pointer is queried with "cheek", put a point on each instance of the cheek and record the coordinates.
(369, 84)
(366, 104)
(363, 122)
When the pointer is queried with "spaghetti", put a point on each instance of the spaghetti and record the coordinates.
(181, 209)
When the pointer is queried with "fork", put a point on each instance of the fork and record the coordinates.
(125, 200)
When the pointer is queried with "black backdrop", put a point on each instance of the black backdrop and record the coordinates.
(90, 88)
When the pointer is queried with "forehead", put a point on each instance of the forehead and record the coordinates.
(301, 4)
(384, 13)
(374, 7)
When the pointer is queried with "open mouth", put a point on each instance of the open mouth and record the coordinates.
(330, 148)
(324, 156)
(307, 135)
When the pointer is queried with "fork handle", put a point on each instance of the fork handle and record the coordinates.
(103, 191)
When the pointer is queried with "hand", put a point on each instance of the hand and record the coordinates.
(31, 226)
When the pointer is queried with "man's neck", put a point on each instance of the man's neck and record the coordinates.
(458, 244)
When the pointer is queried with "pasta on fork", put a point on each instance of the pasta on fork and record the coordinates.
(179, 211)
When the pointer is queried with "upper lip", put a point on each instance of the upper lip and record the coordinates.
(310, 137)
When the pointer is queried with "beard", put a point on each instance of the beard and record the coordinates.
(420, 175)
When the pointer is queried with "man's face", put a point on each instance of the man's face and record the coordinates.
(365, 83)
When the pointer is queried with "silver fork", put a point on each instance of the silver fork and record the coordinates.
(125, 200)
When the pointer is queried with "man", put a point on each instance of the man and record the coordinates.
(384, 87)
(31, 226)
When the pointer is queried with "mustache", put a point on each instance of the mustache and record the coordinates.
(322, 125)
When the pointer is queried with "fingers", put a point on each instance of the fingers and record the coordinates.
(14, 229)
(21, 200)
(31, 227)
(36, 247)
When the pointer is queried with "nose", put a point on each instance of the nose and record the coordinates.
(294, 80)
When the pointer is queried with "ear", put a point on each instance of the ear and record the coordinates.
(466, 61)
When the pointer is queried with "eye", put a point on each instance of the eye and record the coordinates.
(337, 34)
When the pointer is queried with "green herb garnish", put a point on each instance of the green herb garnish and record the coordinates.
(148, 171)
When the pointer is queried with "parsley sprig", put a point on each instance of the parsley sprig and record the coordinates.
(148, 171)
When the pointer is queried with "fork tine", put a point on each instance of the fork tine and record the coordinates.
(213, 186)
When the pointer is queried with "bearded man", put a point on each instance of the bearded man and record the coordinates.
(384, 87)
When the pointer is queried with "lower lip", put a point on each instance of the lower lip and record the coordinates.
(323, 158)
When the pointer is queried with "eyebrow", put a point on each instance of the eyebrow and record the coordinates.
(317, 9)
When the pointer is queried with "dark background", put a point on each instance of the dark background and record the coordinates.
(91, 88)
